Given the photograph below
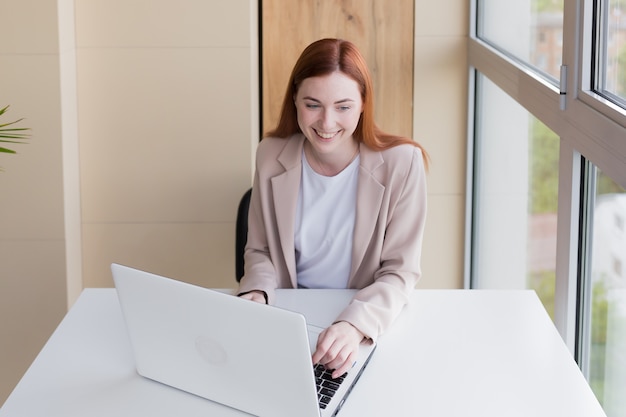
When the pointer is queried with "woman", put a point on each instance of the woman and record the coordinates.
(336, 202)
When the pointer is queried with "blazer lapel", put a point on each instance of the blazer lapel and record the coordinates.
(369, 198)
(285, 189)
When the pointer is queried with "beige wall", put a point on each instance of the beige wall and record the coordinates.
(32, 242)
(439, 123)
(166, 134)
(160, 122)
(144, 128)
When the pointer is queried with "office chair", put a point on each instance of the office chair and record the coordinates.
(241, 233)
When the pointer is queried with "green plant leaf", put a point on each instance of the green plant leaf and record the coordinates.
(11, 132)
(13, 136)
(17, 134)
(8, 141)
(10, 123)
(14, 129)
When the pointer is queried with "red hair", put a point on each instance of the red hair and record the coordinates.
(324, 57)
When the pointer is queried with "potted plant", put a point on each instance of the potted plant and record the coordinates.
(10, 134)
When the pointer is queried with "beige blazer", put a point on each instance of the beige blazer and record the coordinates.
(388, 230)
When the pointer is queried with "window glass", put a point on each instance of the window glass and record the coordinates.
(612, 49)
(607, 293)
(528, 30)
(515, 197)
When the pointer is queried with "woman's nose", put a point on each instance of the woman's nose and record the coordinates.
(328, 121)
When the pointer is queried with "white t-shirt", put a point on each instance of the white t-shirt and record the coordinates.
(324, 226)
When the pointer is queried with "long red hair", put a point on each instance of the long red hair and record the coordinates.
(321, 58)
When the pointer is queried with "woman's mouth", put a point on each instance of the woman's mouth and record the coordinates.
(326, 135)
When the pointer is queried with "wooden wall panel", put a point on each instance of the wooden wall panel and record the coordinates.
(383, 31)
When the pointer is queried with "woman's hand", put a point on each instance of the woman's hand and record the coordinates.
(256, 295)
(337, 347)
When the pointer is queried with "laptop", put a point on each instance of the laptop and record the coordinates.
(246, 355)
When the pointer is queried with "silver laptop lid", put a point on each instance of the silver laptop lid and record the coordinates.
(249, 356)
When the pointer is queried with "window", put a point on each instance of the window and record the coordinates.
(515, 210)
(611, 56)
(530, 31)
(617, 266)
(548, 138)
(603, 341)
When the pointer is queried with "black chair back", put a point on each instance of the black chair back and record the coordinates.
(241, 236)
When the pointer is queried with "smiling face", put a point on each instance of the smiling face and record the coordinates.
(329, 108)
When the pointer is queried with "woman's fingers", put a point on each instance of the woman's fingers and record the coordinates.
(257, 296)
(337, 347)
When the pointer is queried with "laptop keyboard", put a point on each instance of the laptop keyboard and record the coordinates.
(327, 386)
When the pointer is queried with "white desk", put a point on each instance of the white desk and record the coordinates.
(451, 353)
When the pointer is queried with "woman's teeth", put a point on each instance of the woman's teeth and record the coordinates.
(326, 135)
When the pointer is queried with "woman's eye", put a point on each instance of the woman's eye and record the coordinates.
(344, 108)
(312, 106)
